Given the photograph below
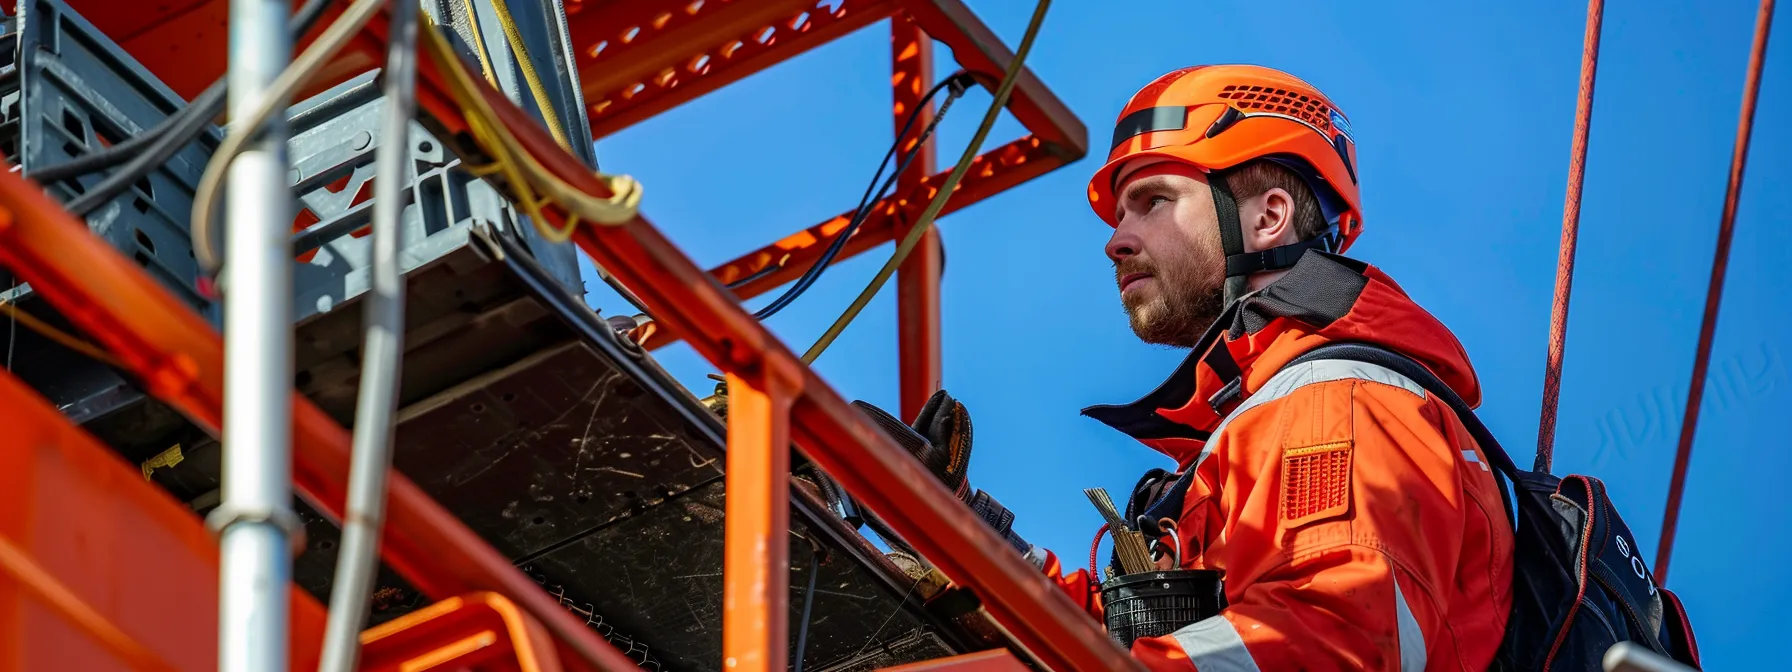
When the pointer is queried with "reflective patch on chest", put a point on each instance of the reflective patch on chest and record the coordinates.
(1315, 483)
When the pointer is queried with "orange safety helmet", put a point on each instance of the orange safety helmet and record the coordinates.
(1215, 117)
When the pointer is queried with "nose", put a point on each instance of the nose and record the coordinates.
(1123, 244)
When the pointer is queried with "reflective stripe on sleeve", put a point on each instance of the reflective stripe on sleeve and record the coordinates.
(1412, 639)
(1214, 646)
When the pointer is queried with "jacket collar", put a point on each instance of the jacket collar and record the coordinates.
(1323, 298)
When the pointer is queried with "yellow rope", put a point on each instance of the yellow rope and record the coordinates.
(64, 338)
(523, 173)
(536, 88)
(485, 59)
(921, 225)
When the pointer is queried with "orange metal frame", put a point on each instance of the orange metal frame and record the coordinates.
(481, 630)
(656, 55)
(831, 433)
(775, 398)
(638, 58)
(93, 560)
(137, 556)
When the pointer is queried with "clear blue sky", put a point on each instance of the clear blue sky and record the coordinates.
(1463, 117)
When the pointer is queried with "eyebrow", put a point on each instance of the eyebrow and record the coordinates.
(1149, 183)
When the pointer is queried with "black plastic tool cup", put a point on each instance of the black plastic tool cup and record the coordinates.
(1149, 604)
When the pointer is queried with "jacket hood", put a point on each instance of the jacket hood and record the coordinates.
(1323, 299)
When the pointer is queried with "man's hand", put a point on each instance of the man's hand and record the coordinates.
(941, 439)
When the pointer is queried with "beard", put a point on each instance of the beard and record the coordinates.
(1179, 306)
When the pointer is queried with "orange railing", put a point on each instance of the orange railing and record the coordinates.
(99, 569)
(775, 400)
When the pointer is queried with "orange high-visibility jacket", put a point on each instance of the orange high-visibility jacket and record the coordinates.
(1356, 522)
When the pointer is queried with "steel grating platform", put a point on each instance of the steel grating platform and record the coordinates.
(572, 453)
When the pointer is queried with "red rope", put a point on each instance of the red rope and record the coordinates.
(1094, 553)
(1715, 292)
(1577, 168)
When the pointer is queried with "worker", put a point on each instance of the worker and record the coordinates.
(1355, 521)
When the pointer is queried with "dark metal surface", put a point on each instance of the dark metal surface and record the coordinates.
(68, 90)
(77, 92)
(582, 460)
(659, 572)
(335, 136)
(549, 449)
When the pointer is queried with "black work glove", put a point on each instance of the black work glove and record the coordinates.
(941, 439)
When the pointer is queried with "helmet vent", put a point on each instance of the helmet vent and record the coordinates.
(1280, 101)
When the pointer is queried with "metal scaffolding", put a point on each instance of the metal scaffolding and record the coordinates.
(776, 400)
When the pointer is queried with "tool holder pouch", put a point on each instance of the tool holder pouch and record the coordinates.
(1150, 604)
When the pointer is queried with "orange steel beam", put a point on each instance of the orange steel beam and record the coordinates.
(179, 359)
(999, 660)
(756, 566)
(638, 58)
(481, 630)
(1056, 137)
(109, 553)
(44, 586)
(979, 50)
(184, 42)
(918, 279)
(831, 433)
(768, 267)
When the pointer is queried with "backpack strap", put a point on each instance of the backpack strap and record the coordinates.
(1169, 503)
(1411, 369)
(1416, 372)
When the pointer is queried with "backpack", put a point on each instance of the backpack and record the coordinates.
(1579, 582)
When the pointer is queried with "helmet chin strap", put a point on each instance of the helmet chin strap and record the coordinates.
(1241, 265)
(1231, 234)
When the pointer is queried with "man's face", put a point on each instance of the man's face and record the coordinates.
(1166, 251)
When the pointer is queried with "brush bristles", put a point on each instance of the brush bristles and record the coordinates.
(1129, 545)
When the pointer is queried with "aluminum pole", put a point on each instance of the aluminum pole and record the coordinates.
(256, 518)
(376, 404)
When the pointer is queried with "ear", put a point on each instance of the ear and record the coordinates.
(1268, 220)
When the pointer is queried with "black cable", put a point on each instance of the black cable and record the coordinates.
(134, 146)
(160, 151)
(957, 84)
(802, 632)
(160, 143)
(866, 201)
(768, 270)
(111, 156)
